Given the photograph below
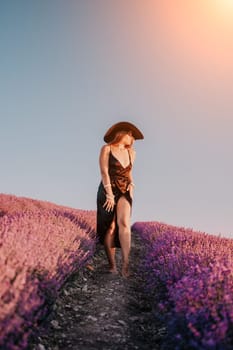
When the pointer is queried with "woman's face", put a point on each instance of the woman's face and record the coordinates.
(127, 139)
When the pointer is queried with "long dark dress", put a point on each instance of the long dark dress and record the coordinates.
(119, 177)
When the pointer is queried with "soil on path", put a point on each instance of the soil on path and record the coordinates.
(99, 310)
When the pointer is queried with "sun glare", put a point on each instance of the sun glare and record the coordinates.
(223, 12)
(226, 3)
(224, 6)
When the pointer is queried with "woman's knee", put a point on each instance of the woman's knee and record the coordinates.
(123, 214)
(124, 223)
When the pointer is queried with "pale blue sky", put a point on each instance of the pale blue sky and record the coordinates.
(70, 69)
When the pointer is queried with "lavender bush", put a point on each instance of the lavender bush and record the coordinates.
(41, 244)
(195, 271)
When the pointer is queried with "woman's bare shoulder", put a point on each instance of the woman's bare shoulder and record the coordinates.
(105, 149)
(133, 150)
(132, 153)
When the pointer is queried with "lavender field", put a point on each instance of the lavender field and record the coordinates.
(41, 244)
(188, 274)
(193, 274)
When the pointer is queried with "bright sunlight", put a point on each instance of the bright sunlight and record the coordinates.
(224, 7)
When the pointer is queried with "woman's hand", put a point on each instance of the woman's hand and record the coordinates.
(109, 203)
(130, 189)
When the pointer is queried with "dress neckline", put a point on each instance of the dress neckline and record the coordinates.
(124, 167)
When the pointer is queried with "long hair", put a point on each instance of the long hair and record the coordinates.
(118, 137)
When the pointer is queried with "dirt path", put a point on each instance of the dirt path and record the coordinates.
(99, 310)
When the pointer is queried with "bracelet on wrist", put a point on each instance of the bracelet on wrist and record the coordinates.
(109, 196)
(107, 185)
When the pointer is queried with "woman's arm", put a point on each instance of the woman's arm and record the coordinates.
(131, 184)
(103, 163)
(132, 153)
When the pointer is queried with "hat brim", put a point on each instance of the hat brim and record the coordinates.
(122, 126)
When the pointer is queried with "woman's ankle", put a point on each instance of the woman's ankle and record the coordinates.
(125, 269)
(113, 268)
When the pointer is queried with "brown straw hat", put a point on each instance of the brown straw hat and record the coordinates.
(122, 126)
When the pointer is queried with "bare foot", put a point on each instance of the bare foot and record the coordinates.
(113, 269)
(125, 271)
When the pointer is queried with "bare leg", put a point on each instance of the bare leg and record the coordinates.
(110, 249)
(123, 221)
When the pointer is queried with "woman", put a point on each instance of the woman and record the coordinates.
(115, 193)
